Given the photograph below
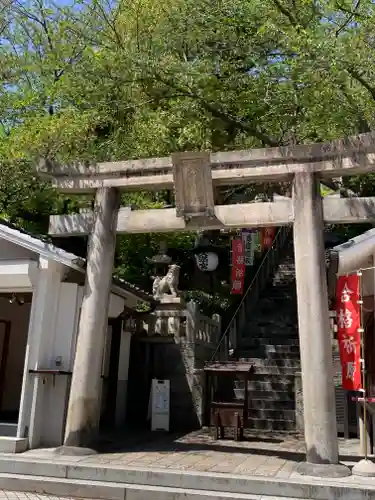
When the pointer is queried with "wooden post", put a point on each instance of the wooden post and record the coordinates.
(84, 403)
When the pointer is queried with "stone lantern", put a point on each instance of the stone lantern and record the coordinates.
(161, 261)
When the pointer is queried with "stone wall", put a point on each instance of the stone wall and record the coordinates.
(181, 362)
(178, 356)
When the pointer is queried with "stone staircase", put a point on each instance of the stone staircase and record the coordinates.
(264, 331)
(270, 341)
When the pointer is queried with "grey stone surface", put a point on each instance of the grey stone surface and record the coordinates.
(33, 467)
(13, 444)
(313, 322)
(181, 363)
(62, 488)
(298, 394)
(73, 451)
(323, 470)
(364, 468)
(153, 493)
(83, 415)
(193, 462)
(255, 489)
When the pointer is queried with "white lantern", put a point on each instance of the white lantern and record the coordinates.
(207, 261)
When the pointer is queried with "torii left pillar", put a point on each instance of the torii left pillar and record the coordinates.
(83, 416)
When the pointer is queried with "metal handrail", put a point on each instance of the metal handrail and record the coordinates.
(250, 287)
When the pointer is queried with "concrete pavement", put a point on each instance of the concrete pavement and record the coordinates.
(191, 467)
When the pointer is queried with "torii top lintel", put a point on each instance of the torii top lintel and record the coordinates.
(349, 156)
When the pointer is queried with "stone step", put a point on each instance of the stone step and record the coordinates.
(273, 395)
(104, 481)
(278, 290)
(281, 362)
(259, 354)
(285, 279)
(103, 490)
(264, 324)
(274, 414)
(261, 329)
(283, 379)
(284, 273)
(256, 333)
(270, 385)
(279, 371)
(273, 351)
(271, 425)
(247, 345)
(279, 340)
(274, 367)
(285, 288)
(272, 404)
(279, 308)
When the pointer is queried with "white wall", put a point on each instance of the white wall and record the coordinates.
(10, 251)
(53, 322)
(57, 393)
(123, 375)
(52, 337)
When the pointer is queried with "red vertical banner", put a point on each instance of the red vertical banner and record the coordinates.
(238, 266)
(348, 331)
(267, 237)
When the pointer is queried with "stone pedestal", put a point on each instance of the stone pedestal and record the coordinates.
(364, 468)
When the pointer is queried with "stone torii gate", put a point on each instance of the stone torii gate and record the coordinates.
(194, 177)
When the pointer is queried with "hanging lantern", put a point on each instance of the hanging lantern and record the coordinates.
(207, 261)
(205, 254)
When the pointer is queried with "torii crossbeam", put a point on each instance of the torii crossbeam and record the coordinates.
(194, 177)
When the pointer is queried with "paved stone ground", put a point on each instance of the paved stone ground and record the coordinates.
(18, 495)
(271, 455)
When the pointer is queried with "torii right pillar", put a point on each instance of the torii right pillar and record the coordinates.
(320, 427)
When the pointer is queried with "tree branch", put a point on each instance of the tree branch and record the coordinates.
(350, 12)
(280, 7)
(349, 19)
(221, 113)
(361, 79)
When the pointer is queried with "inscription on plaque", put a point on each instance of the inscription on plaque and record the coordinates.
(193, 185)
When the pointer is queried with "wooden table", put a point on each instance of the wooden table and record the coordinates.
(226, 396)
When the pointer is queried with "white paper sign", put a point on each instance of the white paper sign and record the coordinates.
(160, 399)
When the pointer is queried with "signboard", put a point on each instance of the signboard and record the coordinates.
(348, 331)
(160, 402)
(238, 266)
(249, 239)
(267, 237)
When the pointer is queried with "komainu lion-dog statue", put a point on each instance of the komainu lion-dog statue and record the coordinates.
(168, 284)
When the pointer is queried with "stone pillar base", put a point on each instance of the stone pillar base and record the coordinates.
(73, 451)
(364, 468)
(323, 470)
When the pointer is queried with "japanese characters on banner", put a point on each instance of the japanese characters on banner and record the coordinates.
(238, 266)
(267, 237)
(249, 240)
(348, 334)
